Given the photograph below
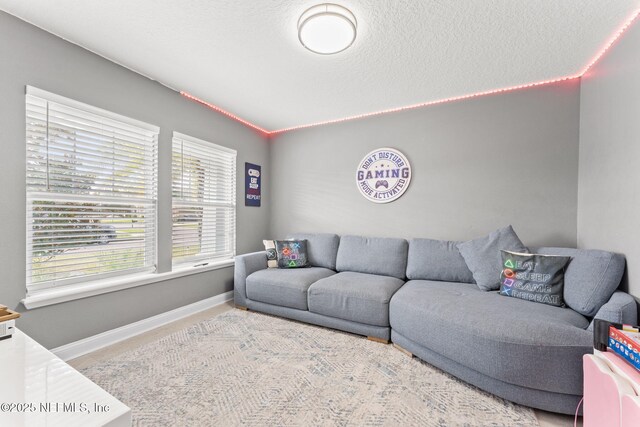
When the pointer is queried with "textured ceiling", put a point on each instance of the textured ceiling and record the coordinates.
(244, 56)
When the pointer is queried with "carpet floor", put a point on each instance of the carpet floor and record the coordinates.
(247, 368)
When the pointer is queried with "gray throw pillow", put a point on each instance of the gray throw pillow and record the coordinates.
(591, 277)
(483, 256)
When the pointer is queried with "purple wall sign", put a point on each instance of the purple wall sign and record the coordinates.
(252, 184)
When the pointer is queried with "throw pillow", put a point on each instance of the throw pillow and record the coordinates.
(533, 277)
(483, 254)
(590, 279)
(272, 254)
(291, 253)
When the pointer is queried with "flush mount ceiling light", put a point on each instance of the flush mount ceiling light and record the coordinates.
(327, 28)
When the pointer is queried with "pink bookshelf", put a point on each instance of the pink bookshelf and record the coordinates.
(611, 391)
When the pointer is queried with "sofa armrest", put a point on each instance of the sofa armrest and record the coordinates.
(246, 264)
(621, 308)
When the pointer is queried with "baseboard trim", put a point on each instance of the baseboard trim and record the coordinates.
(107, 338)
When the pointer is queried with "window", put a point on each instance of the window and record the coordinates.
(204, 200)
(91, 192)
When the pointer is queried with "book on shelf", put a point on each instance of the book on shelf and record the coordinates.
(625, 343)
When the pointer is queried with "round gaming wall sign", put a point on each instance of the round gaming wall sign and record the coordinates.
(383, 175)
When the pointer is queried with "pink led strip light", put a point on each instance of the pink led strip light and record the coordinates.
(225, 112)
(591, 63)
(611, 41)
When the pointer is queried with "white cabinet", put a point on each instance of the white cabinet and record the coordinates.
(38, 389)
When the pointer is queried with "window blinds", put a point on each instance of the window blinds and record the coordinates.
(91, 192)
(204, 200)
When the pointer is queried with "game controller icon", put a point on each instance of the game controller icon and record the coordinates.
(382, 183)
(254, 172)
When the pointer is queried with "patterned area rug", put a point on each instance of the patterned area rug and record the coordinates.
(247, 368)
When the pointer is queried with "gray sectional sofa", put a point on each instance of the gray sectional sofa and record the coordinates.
(421, 295)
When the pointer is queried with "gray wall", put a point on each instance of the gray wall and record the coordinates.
(477, 165)
(29, 56)
(609, 186)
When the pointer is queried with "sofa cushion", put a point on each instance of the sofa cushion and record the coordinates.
(284, 287)
(322, 248)
(358, 297)
(590, 278)
(505, 338)
(531, 345)
(483, 258)
(373, 255)
(430, 259)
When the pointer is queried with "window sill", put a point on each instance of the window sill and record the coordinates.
(73, 292)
